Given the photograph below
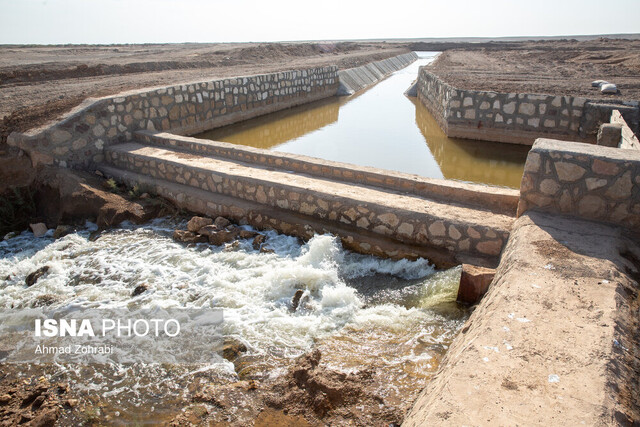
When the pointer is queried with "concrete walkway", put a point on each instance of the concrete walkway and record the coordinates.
(554, 341)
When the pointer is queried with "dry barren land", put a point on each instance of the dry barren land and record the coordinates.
(40, 83)
(557, 67)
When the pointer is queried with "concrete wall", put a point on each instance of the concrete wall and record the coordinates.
(591, 182)
(628, 141)
(359, 78)
(79, 139)
(510, 117)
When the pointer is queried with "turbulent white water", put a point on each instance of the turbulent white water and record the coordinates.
(365, 310)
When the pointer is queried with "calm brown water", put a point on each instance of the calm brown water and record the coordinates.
(380, 128)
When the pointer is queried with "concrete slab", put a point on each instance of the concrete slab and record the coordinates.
(554, 341)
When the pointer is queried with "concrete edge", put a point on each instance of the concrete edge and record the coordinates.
(356, 79)
(496, 199)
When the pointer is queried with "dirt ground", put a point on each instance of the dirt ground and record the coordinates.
(40, 83)
(558, 67)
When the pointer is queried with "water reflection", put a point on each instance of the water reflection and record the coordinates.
(277, 128)
(470, 160)
(381, 128)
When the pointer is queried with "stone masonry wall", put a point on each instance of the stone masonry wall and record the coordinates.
(359, 78)
(79, 139)
(496, 199)
(591, 182)
(458, 234)
(509, 117)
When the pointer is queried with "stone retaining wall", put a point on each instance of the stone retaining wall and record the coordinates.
(463, 234)
(510, 117)
(496, 199)
(629, 141)
(359, 78)
(591, 182)
(264, 217)
(79, 139)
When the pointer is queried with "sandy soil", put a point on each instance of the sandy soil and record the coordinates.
(554, 67)
(40, 83)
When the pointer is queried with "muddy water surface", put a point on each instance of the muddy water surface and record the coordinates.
(381, 128)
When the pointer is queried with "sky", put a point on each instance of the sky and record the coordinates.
(162, 21)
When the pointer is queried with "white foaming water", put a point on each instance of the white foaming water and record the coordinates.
(253, 289)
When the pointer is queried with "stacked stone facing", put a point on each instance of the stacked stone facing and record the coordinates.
(359, 78)
(79, 139)
(414, 221)
(591, 182)
(510, 117)
(629, 140)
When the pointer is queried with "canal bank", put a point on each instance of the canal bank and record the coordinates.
(379, 128)
(577, 173)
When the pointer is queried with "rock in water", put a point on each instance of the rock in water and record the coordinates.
(222, 222)
(208, 230)
(223, 236)
(95, 235)
(39, 229)
(197, 222)
(62, 230)
(233, 349)
(46, 300)
(184, 236)
(295, 301)
(32, 278)
(258, 241)
(474, 282)
(140, 289)
(247, 234)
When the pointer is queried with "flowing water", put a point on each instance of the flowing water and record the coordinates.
(381, 128)
(395, 317)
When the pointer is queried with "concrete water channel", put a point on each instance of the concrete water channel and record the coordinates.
(381, 128)
(565, 243)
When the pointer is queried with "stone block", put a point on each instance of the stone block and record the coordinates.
(437, 229)
(39, 229)
(569, 172)
(509, 108)
(549, 187)
(621, 189)
(490, 247)
(527, 108)
(474, 282)
(610, 134)
(197, 222)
